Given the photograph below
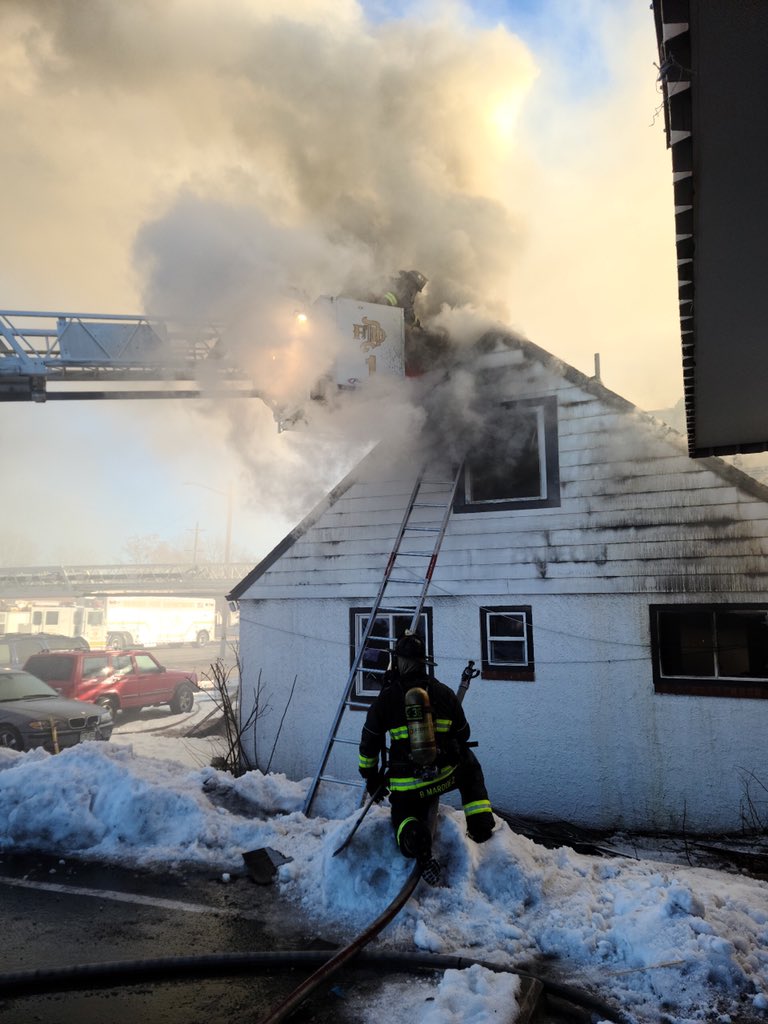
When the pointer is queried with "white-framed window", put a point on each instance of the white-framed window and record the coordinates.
(710, 650)
(514, 464)
(389, 626)
(507, 642)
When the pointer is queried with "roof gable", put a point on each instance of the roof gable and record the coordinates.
(497, 350)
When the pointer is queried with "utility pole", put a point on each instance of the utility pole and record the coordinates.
(197, 531)
(229, 495)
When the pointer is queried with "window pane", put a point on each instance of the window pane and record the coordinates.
(507, 624)
(95, 665)
(686, 644)
(508, 465)
(742, 644)
(377, 653)
(51, 618)
(507, 652)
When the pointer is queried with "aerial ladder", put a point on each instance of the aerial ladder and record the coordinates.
(80, 353)
(60, 356)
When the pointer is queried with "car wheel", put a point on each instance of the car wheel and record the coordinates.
(183, 700)
(203, 637)
(9, 737)
(109, 704)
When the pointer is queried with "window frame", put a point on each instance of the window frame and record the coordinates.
(688, 684)
(549, 462)
(497, 670)
(359, 695)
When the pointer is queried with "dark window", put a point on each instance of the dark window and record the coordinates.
(710, 650)
(514, 464)
(507, 638)
(375, 660)
(37, 618)
(51, 618)
(95, 618)
(51, 666)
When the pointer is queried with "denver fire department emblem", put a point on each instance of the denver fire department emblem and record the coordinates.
(371, 332)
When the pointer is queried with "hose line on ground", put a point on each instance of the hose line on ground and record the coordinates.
(116, 973)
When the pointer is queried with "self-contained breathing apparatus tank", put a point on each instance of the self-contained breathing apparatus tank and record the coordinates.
(421, 726)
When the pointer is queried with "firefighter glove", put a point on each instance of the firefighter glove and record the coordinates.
(376, 784)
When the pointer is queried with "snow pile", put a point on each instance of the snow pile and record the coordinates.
(690, 943)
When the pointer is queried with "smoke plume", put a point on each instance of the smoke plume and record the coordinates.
(232, 162)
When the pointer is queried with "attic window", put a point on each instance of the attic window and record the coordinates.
(513, 463)
(710, 650)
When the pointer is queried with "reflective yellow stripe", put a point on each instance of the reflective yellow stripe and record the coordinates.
(402, 826)
(391, 298)
(443, 724)
(400, 732)
(477, 807)
(368, 762)
(406, 784)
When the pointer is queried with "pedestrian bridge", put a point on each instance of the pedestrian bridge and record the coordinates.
(209, 579)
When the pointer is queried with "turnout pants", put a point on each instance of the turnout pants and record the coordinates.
(413, 804)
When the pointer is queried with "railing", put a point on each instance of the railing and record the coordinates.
(175, 578)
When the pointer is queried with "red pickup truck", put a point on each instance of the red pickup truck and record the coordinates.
(115, 679)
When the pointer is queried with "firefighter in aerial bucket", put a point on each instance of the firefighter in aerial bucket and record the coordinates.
(428, 755)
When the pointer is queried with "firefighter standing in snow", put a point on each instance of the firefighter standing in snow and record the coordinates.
(428, 754)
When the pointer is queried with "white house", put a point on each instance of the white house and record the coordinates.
(612, 590)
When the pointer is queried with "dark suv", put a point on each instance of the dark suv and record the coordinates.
(115, 679)
(15, 648)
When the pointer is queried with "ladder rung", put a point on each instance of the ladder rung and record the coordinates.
(339, 739)
(415, 554)
(424, 529)
(394, 608)
(430, 504)
(342, 782)
(413, 579)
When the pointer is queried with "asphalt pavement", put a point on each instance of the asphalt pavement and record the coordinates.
(59, 914)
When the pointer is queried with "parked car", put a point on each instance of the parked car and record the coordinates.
(15, 648)
(32, 715)
(115, 679)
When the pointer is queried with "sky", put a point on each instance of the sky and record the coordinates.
(646, 935)
(210, 159)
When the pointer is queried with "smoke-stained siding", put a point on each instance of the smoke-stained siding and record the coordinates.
(633, 508)
(589, 740)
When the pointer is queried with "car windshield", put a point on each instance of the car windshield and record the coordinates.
(21, 686)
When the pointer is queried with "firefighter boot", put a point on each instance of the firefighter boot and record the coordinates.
(415, 840)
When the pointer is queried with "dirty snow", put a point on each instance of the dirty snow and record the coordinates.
(648, 937)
